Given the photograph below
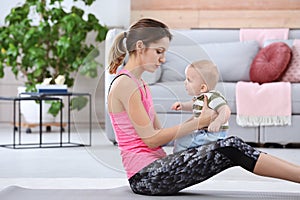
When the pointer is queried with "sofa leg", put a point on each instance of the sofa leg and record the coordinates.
(293, 145)
(273, 145)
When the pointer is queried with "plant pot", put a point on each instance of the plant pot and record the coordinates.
(30, 110)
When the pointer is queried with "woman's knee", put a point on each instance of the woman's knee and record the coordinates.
(239, 152)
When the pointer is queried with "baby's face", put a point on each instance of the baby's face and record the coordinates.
(193, 82)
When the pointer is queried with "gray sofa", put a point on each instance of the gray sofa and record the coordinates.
(233, 58)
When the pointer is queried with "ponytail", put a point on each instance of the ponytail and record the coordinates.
(117, 53)
(146, 30)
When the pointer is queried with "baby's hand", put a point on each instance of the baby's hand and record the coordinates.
(176, 106)
(214, 126)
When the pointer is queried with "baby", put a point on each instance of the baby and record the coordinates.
(201, 80)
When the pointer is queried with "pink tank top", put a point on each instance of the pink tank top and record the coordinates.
(134, 152)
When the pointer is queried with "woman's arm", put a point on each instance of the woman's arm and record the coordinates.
(224, 113)
(153, 137)
(156, 124)
(166, 135)
(126, 96)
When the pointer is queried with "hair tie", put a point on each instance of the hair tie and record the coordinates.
(125, 34)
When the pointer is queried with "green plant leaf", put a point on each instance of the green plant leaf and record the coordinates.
(37, 72)
(1, 70)
(69, 81)
(102, 32)
(77, 103)
(87, 2)
(12, 50)
(17, 14)
(35, 53)
(54, 108)
(30, 88)
(77, 11)
(54, 1)
(32, 2)
(92, 19)
(54, 43)
(56, 14)
(62, 46)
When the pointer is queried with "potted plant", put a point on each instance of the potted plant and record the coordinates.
(42, 40)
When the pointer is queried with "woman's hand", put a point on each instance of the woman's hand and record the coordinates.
(207, 115)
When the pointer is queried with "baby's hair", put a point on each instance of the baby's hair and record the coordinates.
(146, 30)
(208, 72)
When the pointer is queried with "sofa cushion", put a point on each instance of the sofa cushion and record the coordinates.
(292, 74)
(261, 35)
(173, 68)
(288, 42)
(178, 57)
(269, 64)
(232, 58)
(165, 94)
(296, 98)
(228, 90)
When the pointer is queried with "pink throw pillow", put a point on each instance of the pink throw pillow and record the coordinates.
(292, 74)
(270, 63)
(261, 35)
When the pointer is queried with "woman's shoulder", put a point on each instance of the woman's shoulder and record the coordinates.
(123, 86)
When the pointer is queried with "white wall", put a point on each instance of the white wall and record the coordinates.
(113, 13)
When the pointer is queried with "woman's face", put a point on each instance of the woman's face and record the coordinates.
(194, 83)
(154, 55)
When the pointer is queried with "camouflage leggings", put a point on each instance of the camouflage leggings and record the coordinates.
(185, 168)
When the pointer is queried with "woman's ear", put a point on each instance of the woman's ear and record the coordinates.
(139, 45)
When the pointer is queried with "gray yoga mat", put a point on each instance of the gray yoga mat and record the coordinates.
(124, 193)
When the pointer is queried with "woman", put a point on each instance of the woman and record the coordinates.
(140, 136)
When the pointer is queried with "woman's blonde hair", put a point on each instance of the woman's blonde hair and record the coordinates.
(146, 30)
